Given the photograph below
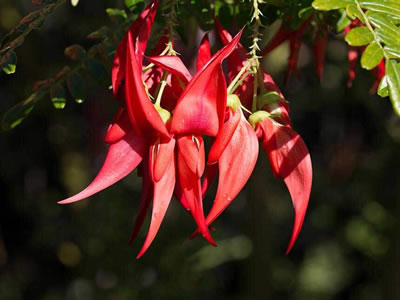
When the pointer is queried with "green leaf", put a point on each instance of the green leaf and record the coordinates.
(387, 7)
(58, 97)
(305, 13)
(353, 12)
(98, 71)
(75, 52)
(9, 62)
(76, 87)
(393, 80)
(359, 36)
(385, 29)
(372, 56)
(116, 15)
(19, 112)
(330, 4)
(393, 51)
(132, 4)
(74, 2)
(383, 90)
(343, 22)
(100, 34)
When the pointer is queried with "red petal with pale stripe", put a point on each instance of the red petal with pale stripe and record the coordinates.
(122, 158)
(163, 191)
(201, 108)
(290, 160)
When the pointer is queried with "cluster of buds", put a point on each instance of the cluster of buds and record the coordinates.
(165, 114)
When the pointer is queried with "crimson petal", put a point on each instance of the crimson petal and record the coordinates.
(119, 127)
(172, 64)
(236, 164)
(163, 191)
(290, 160)
(201, 108)
(190, 185)
(224, 136)
(122, 158)
(204, 53)
(139, 32)
(146, 197)
(141, 111)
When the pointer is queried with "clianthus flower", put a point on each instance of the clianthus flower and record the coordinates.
(166, 113)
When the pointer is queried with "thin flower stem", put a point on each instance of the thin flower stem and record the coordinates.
(160, 89)
(255, 87)
(231, 87)
(234, 88)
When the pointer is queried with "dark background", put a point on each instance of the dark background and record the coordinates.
(349, 245)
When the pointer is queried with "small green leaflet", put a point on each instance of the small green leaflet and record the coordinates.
(383, 90)
(359, 36)
(372, 56)
(19, 112)
(331, 4)
(9, 62)
(58, 96)
(74, 2)
(393, 80)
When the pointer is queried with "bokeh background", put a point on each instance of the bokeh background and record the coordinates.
(349, 247)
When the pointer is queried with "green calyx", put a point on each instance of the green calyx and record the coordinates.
(258, 116)
(233, 101)
(164, 114)
(268, 98)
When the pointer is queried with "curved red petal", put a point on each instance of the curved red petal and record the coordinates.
(204, 53)
(172, 64)
(209, 176)
(223, 138)
(162, 158)
(163, 191)
(140, 33)
(179, 194)
(122, 158)
(235, 164)
(201, 108)
(119, 127)
(146, 197)
(191, 190)
(291, 161)
(142, 112)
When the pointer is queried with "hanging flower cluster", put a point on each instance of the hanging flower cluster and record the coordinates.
(166, 113)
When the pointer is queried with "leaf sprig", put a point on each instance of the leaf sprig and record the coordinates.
(380, 34)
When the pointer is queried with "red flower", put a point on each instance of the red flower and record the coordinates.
(235, 148)
(170, 150)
